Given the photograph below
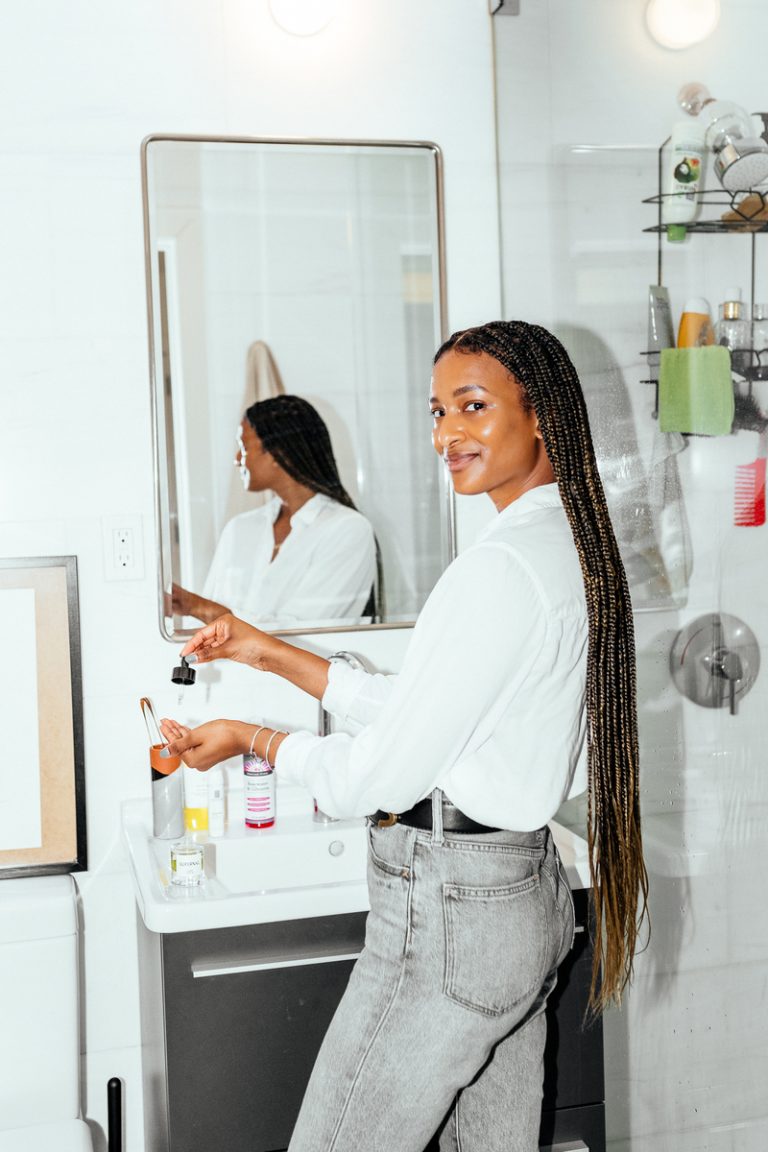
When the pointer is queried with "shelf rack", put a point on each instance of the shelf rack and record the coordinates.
(721, 213)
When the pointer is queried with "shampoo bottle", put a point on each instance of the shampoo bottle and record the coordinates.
(680, 205)
(695, 327)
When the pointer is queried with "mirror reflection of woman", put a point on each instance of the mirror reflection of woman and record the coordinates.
(517, 691)
(306, 555)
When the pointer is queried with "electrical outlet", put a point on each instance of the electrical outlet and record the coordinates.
(123, 547)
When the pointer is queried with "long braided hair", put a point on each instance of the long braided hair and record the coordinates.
(295, 434)
(550, 386)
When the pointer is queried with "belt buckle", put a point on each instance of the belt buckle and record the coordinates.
(388, 821)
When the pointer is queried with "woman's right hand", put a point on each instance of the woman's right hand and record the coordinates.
(229, 638)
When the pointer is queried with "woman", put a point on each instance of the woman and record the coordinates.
(306, 556)
(463, 759)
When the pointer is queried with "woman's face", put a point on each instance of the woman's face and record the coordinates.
(489, 442)
(256, 465)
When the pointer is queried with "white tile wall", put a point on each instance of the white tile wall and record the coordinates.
(79, 89)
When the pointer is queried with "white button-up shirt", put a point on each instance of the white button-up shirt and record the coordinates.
(489, 705)
(324, 570)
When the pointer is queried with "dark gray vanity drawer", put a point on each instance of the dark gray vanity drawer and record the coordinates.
(232, 1020)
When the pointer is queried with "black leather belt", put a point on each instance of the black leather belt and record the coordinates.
(420, 816)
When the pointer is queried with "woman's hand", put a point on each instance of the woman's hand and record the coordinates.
(230, 638)
(209, 744)
(182, 602)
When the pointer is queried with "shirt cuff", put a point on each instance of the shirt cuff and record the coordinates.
(344, 684)
(292, 757)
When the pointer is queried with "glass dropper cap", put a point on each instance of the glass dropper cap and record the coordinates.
(183, 674)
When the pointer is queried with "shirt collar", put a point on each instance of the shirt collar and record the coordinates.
(543, 496)
(311, 510)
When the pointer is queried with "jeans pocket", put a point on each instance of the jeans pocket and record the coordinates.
(496, 944)
(387, 856)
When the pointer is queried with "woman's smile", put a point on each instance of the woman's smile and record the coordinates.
(458, 461)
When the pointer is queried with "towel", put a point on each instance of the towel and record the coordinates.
(262, 380)
(696, 391)
(667, 505)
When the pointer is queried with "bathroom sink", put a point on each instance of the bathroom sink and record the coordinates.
(296, 869)
(295, 853)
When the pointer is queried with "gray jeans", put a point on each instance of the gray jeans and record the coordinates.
(442, 1022)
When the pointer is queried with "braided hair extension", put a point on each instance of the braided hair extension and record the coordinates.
(550, 386)
(295, 434)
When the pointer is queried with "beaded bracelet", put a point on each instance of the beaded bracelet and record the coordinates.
(277, 732)
(253, 740)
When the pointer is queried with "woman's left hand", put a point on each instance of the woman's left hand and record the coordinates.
(209, 744)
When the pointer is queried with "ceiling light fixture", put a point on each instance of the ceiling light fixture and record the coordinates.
(679, 24)
(303, 17)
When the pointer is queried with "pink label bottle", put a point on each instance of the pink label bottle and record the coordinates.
(259, 777)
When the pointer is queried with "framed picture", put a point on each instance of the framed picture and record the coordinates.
(42, 766)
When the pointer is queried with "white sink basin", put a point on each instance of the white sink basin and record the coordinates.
(295, 853)
(296, 869)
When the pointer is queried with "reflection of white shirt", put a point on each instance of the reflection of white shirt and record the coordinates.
(489, 705)
(324, 569)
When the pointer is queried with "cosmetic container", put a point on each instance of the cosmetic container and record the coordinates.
(167, 789)
(216, 802)
(195, 800)
(695, 328)
(680, 206)
(259, 781)
(187, 863)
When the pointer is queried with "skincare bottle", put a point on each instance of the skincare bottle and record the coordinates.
(195, 800)
(760, 327)
(680, 205)
(216, 815)
(259, 779)
(733, 330)
(695, 327)
(187, 863)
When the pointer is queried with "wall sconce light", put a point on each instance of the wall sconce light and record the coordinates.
(681, 23)
(303, 17)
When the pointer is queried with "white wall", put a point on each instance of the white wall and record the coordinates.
(80, 85)
(686, 1060)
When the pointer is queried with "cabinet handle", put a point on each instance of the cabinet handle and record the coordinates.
(579, 928)
(569, 1146)
(203, 970)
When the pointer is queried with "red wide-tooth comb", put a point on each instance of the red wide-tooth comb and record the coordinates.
(749, 493)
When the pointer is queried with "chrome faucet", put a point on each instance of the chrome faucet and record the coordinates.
(325, 723)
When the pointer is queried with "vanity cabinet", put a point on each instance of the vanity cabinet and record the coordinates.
(232, 1019)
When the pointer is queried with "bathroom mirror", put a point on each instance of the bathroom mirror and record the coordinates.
(313, 269)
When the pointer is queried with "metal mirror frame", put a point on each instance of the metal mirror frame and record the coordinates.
(157, 432)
